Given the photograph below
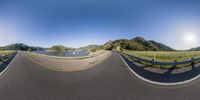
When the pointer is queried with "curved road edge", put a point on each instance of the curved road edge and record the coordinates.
(8, 66)
(158, 83)
(57, 57)
(78, 64)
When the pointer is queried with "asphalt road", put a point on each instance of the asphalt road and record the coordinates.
(167, 76)
(109, 80)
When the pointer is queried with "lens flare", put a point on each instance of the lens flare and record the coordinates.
(190, 38)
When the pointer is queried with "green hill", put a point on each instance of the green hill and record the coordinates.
(59, 48)
(92, 47)
(20, 46)
(161, 46)
(137, 44)
(195, 49)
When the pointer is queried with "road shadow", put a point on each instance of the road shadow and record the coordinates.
(166, 77)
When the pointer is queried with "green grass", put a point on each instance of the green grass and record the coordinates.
(5, 52)
(162, 56)
(165, 56)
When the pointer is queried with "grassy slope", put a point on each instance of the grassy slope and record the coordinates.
(165, 56)
(3, 52)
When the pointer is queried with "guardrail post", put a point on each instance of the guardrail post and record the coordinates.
(192, 63)
(153, 61)
(175, 65)
(1, 60)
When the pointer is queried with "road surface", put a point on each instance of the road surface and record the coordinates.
(166, 76)
(109, 80)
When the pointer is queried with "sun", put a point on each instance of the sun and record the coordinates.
(189, 38)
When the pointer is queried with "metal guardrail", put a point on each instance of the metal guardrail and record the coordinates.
(192, 60)
(5, 57)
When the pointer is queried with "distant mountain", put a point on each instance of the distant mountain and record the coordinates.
(92, 47)
(137, 44)
(59, 48)
(24, 47)
(20, 46)
(161, 46)
(195, 49)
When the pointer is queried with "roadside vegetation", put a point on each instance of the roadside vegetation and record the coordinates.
(5, 54)
(164, 56)
(148, 49)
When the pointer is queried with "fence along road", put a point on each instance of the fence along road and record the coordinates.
(166, 78)
(109, 80)
(5, 60)
(164, 63)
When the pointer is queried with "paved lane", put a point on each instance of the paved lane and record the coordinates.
(170, 76)
(109, 80)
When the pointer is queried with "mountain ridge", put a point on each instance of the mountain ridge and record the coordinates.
(195, 49)
(137, 44)
(20, 46)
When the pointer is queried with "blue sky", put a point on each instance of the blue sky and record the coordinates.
(76, 23)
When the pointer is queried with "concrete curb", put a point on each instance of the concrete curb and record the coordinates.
(90, 65)
(64, 57)
(158, 83)
(1, 73)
